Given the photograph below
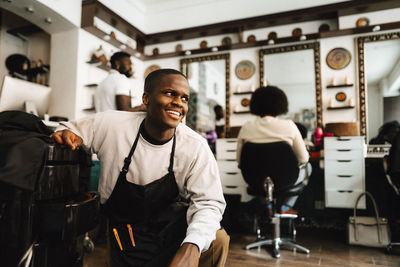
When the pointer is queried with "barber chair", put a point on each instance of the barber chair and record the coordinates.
(271, 170)
(391, 165)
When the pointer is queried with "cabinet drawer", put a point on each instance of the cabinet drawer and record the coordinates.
(229, 154)
(343, 142)
(226, 144)
(352, 167)
(228, 166)
(343, 153)
(343, 199)
(343, 182)
(232, 179)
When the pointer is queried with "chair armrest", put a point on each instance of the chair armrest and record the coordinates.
(304, 166)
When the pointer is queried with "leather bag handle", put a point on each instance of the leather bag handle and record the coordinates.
(376, 215)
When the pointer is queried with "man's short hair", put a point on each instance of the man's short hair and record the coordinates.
(117, 57)
(154, 77)
(270, 101)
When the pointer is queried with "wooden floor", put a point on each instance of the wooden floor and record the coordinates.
(328, 248)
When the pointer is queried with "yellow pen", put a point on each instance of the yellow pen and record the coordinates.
(117, 238)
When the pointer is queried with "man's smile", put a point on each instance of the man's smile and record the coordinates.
(173, 113)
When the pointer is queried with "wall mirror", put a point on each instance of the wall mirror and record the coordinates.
(208, 78)
(296, 70)
(379, 81)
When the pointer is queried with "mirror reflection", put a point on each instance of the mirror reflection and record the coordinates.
(382, 83)
(293, 69)
(209, 93)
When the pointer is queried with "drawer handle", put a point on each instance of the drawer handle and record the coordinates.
(231, 150)
(344, 160)
(345, 191)
(230, 160)
(343, 139)
(231, 141)
(344, 176)
(344, 150)
(231, 173)
(231, 186)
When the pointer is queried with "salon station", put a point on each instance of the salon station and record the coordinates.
(336, 64)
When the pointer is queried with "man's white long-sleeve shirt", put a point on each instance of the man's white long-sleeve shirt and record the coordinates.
(111, 134)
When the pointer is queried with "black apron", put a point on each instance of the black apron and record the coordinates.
(153, 212)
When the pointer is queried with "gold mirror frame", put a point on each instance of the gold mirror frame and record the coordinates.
(225, 57)
(317, 70)
(362, 97)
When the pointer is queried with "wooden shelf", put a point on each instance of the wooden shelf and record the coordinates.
(25, 30)
(340, 86)
(243, 93)
(343, 107)
(91, 85)
(89, 109)
(242, 112)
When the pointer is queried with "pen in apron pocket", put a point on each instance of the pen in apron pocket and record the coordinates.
(117, 238)
(131, 234)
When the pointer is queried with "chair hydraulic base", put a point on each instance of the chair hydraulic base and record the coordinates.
(277, 242)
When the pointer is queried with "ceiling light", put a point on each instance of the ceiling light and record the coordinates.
(48, 20)
(29, 9)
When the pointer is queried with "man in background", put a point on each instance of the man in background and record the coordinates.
(113, 93)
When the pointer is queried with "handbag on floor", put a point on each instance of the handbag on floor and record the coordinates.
(368, 231)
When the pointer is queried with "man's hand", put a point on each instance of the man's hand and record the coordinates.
(186, 256)
(67, 137)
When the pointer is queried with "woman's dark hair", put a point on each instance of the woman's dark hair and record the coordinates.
(268, 100)
(387, 132)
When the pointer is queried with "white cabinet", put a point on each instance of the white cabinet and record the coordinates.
(231, 176)
(344, 171)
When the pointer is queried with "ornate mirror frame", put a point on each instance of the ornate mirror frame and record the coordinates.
(362, 86)
(317, 69)
(225, 57)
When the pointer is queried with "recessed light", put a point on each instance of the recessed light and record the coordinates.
(188, 53)
(303, 38)
(29, 9)
(106, 37)
(271, 42)
(214, 49)
(122, 46)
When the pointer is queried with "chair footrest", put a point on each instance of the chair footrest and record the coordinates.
(286, 216)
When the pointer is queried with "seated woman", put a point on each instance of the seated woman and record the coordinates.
(268, 103)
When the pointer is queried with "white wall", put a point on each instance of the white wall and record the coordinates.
(69, 9)
(63, 78)
(159, 16)
(375, 18)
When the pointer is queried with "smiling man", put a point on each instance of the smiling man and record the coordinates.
(159, 181)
